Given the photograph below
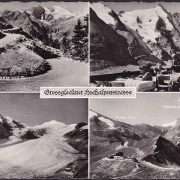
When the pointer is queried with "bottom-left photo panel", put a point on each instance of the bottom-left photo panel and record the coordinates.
(43, 138)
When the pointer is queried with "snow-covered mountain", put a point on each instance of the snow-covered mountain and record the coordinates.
(173, 123)
(150, 35)
(56, 12)
(50, 14)
(45, 24)
(107, 121)
(104, 13)
(34, 152)
(116, 131)
(145, 22)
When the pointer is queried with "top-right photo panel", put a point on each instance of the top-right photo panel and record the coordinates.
(135, 45)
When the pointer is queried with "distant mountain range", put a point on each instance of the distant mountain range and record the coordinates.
(149, 151)
(173, 123)
(41, 22)
(135, 37)
(43, 150)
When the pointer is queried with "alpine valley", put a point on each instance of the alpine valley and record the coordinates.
(131, 38)
(124, 151)
(50, 150)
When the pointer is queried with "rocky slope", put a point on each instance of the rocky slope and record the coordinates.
(24, 20)
(149, 35)
(164, 154)
(7, 126)
(176, 19)
(4, 24)
(106, 45)
(78, 138)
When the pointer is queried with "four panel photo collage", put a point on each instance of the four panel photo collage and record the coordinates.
(90, 45)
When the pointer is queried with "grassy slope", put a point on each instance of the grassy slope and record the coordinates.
(22, 57)
(21, 63)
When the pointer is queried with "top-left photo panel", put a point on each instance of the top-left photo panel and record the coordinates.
(43, 44)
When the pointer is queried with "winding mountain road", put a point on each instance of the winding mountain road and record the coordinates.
(64, 72)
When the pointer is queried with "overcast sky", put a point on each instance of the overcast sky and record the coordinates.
(129, 6)
(153, 109)
(31, 110)
(71, 6)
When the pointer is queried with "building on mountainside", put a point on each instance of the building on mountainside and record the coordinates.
(118, 155)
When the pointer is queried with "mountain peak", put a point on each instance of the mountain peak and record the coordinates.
(10, 122)
(162, 8)
(38, 11)
(162, 143)
(6, 119)
(103, 12)
(173, 123)
(160, 5)
(52, 123)
(56, 12)
(165, 153)
(58, 8)
(6, 11)
(92, 113)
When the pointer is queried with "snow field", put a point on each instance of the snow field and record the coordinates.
(146, 27)
(108, 122)
(40, 157)
(103, 13)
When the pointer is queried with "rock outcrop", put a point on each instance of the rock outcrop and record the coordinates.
(78, 138)
(107, 47)
(165, 153)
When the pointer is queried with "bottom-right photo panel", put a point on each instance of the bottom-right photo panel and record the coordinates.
(135, 138)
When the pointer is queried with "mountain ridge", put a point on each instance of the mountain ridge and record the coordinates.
(152, 35)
